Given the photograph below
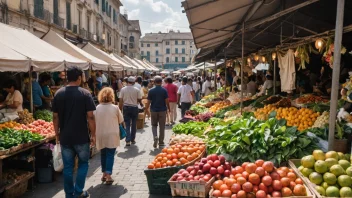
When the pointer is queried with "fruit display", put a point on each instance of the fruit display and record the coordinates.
(12, 137)
(272, 100)
(284, 102)
(309, 98)
(302, 118)
(183, 138)
(177, 155)
(247, 138)
(205, 169)
(237, 112)
(330, 173)
(25, 117)
(260, 179)
(193, 128)
(204, 117)
(44, 115)
(322, 120)
(41, 127)
(10, 124)
(220, 105)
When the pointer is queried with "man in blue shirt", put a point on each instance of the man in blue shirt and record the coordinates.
(159, 100)
(37, 92)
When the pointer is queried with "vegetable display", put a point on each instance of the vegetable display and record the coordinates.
(183, 138)
(12, 137)
(10, 124)
(322, 120)
(44, 115)
(198, 109)
(247, 139)
(41, 127)
(193, 128)
(25, 117)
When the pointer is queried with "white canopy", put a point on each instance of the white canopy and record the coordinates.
(176, 72)
(58, 41)
(262, 66)
(208, 65)
(124, 62)
(140, 64)
(11, 60)
(115, 64)
(43, 56)
(165, 72)
(151, 65)
(147, 67)
(132, 62)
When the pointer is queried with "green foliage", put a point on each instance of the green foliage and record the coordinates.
(248, 139)
(198, 109)
(12, 137)
(193, 128)
(43, 115)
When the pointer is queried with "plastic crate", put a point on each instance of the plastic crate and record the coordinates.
(158, 178)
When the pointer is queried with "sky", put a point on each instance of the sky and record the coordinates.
(156, 15)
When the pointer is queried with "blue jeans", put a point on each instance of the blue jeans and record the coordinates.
(130, 115)
(107, 160)
(69, 153)
(197, 95)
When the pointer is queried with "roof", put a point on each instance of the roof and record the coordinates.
(159, 37)
(134, 25)
(267, 24)
(124, 18)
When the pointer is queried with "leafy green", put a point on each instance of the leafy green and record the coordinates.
(248, 139)
(12, 137)
(322, 132)
(198, 109)
(193, 128)
(43, 115)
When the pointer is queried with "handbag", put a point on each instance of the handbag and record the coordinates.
(122, 132)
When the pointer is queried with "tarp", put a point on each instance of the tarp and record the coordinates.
(115, 64)
(11, 60)
(209, 65)
(132, 62)
(58, 41)
(43, 56)
(149, 68)
(141, 64)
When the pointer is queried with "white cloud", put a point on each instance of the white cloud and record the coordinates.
(158, 6)
(134, 14)
(135, 2)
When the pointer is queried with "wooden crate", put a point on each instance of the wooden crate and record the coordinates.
(190, 188)
(18, 188)
(140, 123)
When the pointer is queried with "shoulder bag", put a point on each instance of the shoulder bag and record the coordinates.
(122, 131)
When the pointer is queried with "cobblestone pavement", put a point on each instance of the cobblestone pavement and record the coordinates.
(128, 172)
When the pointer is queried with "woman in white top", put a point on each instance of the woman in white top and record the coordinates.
(108, 117)
(14, 99)
(268, 84)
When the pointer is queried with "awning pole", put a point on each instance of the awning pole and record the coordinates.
(336, 71)
(225, 75)
(31, 90)
(109, 76)
(275, 75)
(215, 80)
(204, 75)
(242, 81)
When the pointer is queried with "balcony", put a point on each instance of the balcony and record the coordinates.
(90, 36)
(83, 33)
(59, 21)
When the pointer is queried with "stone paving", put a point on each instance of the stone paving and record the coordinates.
(128, 172)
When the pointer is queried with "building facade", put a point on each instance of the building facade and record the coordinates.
(134, 35)
(123, 31)
(172, 50)
(79, 21)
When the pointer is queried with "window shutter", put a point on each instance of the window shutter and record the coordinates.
(68, 15)
(103, 7)
(109, 11)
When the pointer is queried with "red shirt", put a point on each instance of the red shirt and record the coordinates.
(171, 91)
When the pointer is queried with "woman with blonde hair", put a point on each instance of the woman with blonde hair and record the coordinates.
(108, 117)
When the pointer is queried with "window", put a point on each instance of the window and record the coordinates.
(114, 15)
(157, 60)
(167, 59)
(190, 46)
(176, 42)
(109, 14)
(176, 59)
(68, 15)
(132, 39)
(97, 28)
(79, 19)
(56, 12)
(156, 53)
(183, 59)
(167, 51)
(176, 50)
(39, 9)
(142, 45)
(156, 45)
(148, 45)
(183, 42)
(167, 43)
(106, 7)
(97, 2)
(183, 51)
(103, 7)
(148, 53)
(88, 24)
(142, 53)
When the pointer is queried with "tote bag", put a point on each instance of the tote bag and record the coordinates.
(122, 132)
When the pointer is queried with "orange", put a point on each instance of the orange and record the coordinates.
(178, 163)
(199, 152)
(169, 163)
(184, 149)
(173, 146)
(151, 166)
(183, 161)
(194, 155)
(170, 150)
(190, 150)
(164, 150)
(180, 155)
(176, 150)
(174, 156)
(159, 159)
(174, 161)
(158, 165)
(163, 165)
(189, 158)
